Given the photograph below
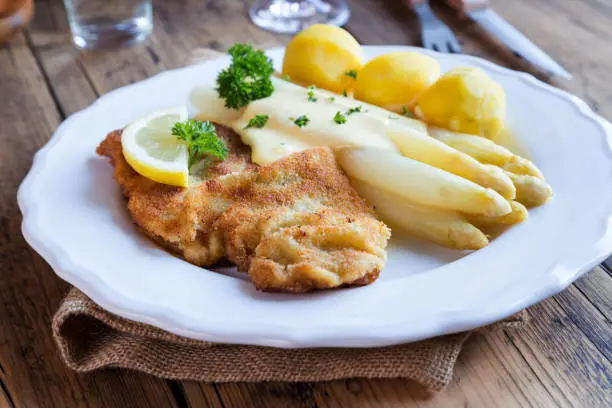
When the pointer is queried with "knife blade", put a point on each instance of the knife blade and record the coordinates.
(481, 12)
(517, 41)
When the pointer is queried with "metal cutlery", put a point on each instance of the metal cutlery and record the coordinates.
(481, 12)
(435, 35)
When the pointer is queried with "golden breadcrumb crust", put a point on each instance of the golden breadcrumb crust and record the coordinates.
(294, 225)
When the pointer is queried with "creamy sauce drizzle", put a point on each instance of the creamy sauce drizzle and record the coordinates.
(281, 137)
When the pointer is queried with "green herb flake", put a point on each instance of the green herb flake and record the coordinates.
(332, 98)
(311, 96)
(356, 109)
(258, 121)
(301, 121)
(201, 140)
(344, 93)
(339, 118)
(351, 73)
(406, 112)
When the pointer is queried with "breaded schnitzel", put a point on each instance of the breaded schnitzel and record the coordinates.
(293, 225)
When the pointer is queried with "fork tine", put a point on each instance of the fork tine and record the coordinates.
(454, 45)
(426, 42)
(435, 35)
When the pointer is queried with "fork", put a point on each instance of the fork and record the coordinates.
(435, 35)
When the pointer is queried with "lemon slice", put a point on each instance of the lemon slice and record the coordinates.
(151, 149)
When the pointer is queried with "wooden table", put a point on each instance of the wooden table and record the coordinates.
(563, 358)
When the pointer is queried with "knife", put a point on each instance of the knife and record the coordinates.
(480, 11)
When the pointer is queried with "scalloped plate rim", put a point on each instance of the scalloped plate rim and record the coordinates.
(261, 335)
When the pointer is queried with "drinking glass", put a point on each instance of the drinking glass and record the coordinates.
(291, 16)
(109, 23)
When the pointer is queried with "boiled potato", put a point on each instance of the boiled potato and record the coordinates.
(445, 228)
(394, 80)
(464, 100)
(322, 55)
(420, 183)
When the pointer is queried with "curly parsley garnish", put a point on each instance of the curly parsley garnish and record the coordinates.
(351, 73)
(247, 78)
(311, 96)
(258, 121)
(201, 139)
(301, 121)
(339, 118)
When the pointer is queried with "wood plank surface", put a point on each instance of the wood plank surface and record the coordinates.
(562, 358)
(596, 289)
(32, 373)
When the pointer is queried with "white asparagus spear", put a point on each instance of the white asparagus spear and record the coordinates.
(530, 191)
(518, 214)
(445, 228)
(415, 143)
(486, 151)
(419, 182)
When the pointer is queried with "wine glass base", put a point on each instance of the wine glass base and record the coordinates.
(290, 17)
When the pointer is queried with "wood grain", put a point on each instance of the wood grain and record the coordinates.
(588, 318)
(32, 373)
(201, 395)
(561, 359)
(597, 289)
(567, 363)
(577, 35)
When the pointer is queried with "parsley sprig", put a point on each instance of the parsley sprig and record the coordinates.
(257, 121)
(247, 78)
(201, 139)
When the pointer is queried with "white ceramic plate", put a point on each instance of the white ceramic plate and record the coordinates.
(75, 217)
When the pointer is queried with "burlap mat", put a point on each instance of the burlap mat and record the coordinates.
(91, 338)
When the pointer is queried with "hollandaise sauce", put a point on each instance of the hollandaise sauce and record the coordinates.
(300, 118)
